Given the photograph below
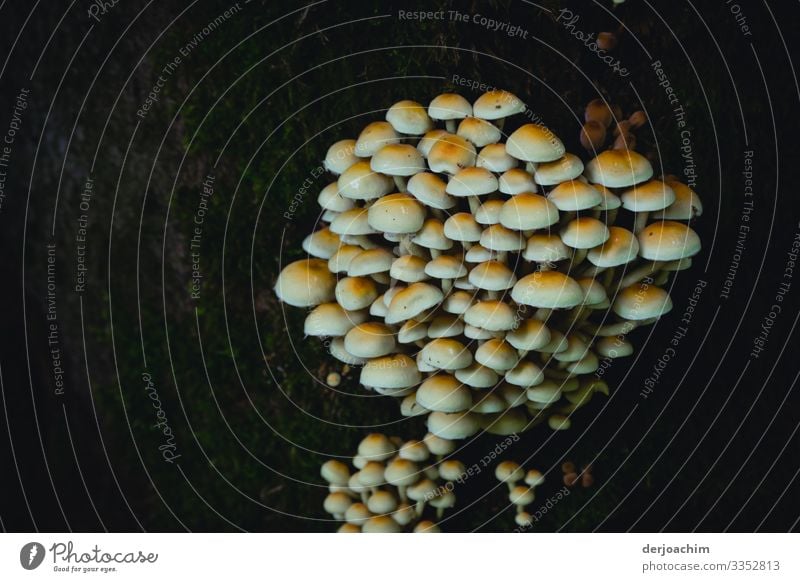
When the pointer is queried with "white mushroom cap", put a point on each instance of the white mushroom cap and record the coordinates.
(489, 403)
(584, 232)
(402, 472)
(414, 450)
(376, 447)
(330, 199)
(593, 291)
(547, 392)
(492, 276)
(446, 354)
(413, 300)
(409, 117)
(451, 153)
(499, 238)
(396, 213)
(337, 351)
(445, 326)
(380, 524)
(496, 354)
(457, 302)
(426, 526)
(668, 241)
(610, 200)
(686, 206)
(340, 156)
(546, 248)
(462, 227)
(477, 376)
(432, 236)
(491, 315)
(422, 490)
(430, 190)
(549, 289)
(354, 293)
(357, 514)
(445, 267)
(528, 212)
(449, 106)
(647, 197)
(331, 320)
(391, 372)
(360, 182)
(574, 195)
(381, 502)
(525, 374)
(373, 137)
(409, 406)
(531, 334)
(409, 269)
(451, 469)
(444, 500)
(489, 212)
(352, 222)
(509, 472)
(472, 181)
(642, 301)
(398, 159)
(438, 445)
(497, 104)
(426, 142)
(443, 393)
(619, 168)
(494, 157)
(370, 340)
(305, 283)
(516, 181)
(521, 495)
(404, 514)
(576, 349)
(369, 262)
(478, 131)
(335, 472)
(455, 426)
(479, 254)
(620, 248)
(568, 167)
(478, 333)
(505, 423)
(557, 344)
(534, 143)
(613, 347)
(412, 331)
(586, 365)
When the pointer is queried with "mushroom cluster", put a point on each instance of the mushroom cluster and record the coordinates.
(393, 485)
(521, 487)
(481, 281)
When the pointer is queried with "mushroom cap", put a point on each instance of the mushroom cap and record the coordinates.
(525, 374)
(354, 293)
(492, 276)
(499, 238)
(528, 211)
(668, 241)
(451, 153)
(438, 445)
(330, 199)
(568, 167)
(445, 326)
(576, 349)
(443, 500)
(408, 268)
(380, 524)
(521, 495)
(446, 354)
(613, 347)
(531, 334)
(457, 302)
(496, 354)
(373, 137)
(491, 315)
(574, 195)
(376, 447)
(584, 232)
(462, 227)
(369, 262)
(430, 189)
(647, 197)
(453, 426)
(598, 110)
(478, 131)
(686, 206)
(357, 514)
(305, 283)
(557, 343)
(352, 222)
(497, 104)
(335, 472)
(477, 376)
(488, 403)
(331, 320)
(478, 333)
(370, 340)
(495, 158)
(451, 469)
(586, 365)
(549, 289)
(426, 526)
(443, 393)
(534, 143)
(545, 248)
(422, 490)
(414, 450)
(337, 351)
(426, 141)
(472, 181)
(398, 159)
(618, 168)
(449, 106)
(402, 472)
(505, 423)
(390, 372)
(445, 267)
(396, 213)
(432, 236)
(509, 472)
(620, 248)
(412, 331)
(479, 254)
(547, 392)
(361, 182)
(516, 181)
(340, 156)
(593, 291)
(610, 200)
(642, 301)
(382, 502)
(489, 212)
(413, 300)
(593, 136)
(409, 117)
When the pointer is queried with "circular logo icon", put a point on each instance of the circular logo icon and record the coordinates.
(31, 555)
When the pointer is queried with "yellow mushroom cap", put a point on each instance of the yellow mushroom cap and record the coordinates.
(450, 154)
(534, 143)
(397, 159)
(642, 301)
(305, 283)
(549, 289)
(497, 104)
(409, 117)
(619, 168)
(647, 197)
(449, 106)
(620, 248)
(668, 241)
(527, 212)
(444, 393)
(396, 213)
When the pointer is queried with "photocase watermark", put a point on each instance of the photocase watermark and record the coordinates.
(31, 555)
(743, 231)
(678, 112)
(206, 192)
(301, 193)
(53, 331)
(100, 8)
(492, 24)
(569, 20)
(84, 204)
(544, 508)
(739, 17)
(168, 447)
(7, 146)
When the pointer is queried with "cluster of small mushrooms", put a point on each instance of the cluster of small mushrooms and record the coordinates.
(481, 281)
(521, 487)
(393, 485)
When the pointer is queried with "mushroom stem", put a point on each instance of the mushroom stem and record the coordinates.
(542, 313)
(611, 216)
(381, 278)
(400, 182)
(402, 492)
(596, 213)
(566, 217)
(435, 253)
(577, 257)
(420, 507)
(447, 286)
(439, 513)
(640, 273)
(492, 295)
(640, 221)
(530, 167)
(450, 124)
(474, 204)
(501, 123)
(502, 256)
